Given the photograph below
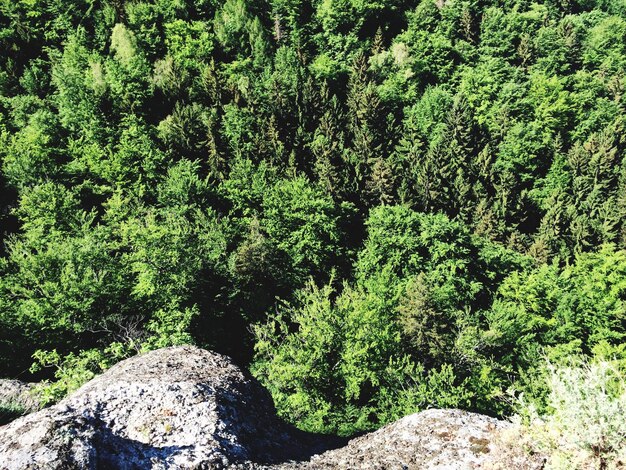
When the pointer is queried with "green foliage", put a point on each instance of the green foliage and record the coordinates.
(9, 411)
(570, 310)
(584, 427)
(397, 341)
(29, 156)
(188, 43)
(410, 202)
(304, 223)
(72, 370)
(342, 370)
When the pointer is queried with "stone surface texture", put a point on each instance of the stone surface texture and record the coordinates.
(432, 439)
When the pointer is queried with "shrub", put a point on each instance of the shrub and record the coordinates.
(585, 426)
(10, 410)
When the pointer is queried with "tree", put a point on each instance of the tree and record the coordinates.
(429, 331)
(303, 223)
(559, 312)
(328, 148)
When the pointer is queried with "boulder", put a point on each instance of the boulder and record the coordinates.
(178, 407)
(432, 439)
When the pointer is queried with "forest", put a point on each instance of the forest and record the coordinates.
(376, 207)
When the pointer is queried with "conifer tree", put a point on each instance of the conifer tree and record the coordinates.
(364, 108)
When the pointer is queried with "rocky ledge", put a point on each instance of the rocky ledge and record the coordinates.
(181, 408)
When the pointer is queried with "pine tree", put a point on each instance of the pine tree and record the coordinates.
(381, 183)
(460, 153)
(364, 120)
(327, 148)
(547, 243)
(210, 84)
(216, 159)
(378, 44)
(409, 154)
(270, 146)
(430, 187)
(426, 329)
(620, 207)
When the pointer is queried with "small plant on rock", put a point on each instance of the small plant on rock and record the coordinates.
(584, 427)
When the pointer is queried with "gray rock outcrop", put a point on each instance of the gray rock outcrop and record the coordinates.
(183, 408)
(172, 408)
(432, 439)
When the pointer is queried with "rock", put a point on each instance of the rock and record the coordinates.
(187, 408)
(172, 408)
(432, 439)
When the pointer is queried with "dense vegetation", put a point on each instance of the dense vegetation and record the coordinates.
(380, 206)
